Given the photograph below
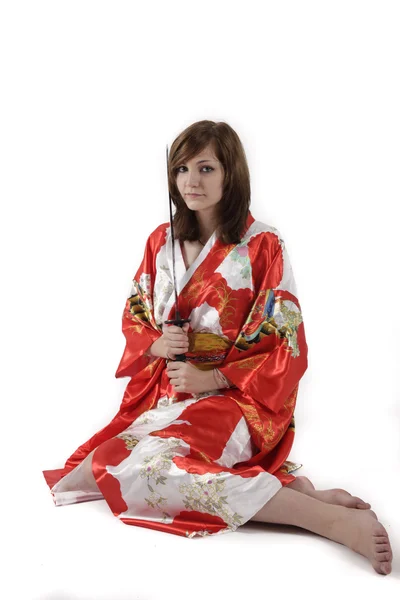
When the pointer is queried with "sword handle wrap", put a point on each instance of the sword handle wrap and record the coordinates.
(178, 323)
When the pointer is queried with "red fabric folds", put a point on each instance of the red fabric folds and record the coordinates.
(245, 295)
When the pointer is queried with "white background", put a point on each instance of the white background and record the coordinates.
(91, 94)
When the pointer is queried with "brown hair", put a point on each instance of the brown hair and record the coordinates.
(233, 208)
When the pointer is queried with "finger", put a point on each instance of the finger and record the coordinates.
(178, 348)
(172, 329)
(176, 383)
(174, 378)
(173, 366)
(178, 342)
(177, 337)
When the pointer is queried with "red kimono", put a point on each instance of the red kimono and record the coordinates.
(199, 464)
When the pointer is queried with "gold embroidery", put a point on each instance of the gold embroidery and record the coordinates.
(140, 305)
(249, 410)
(208, 342)
(194, 288)
(205, 495)
(270, 315)
(290, 402)
(280, 433)
(269, 432)
(130, 441)
(289, 466)
(204, 456)
(197, 282)
(253, 419)
(253, 362)
(152, 367)
(268, 436)
(225, 306)
(136, 328)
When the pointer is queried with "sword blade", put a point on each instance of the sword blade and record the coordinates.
(177, 321)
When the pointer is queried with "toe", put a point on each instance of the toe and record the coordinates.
(381, 539)
(304, 482)
(382, 556)
(383, 568)
(354, 502)
(360, 503)
(379, 532)
(387, 568)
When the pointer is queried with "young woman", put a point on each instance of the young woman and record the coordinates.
(200, 446)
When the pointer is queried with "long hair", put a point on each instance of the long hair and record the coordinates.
(232, 210)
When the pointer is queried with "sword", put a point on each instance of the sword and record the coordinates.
(177, 321)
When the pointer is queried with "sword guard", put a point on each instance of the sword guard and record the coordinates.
(177, 322)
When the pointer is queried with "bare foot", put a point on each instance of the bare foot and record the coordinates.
(360, 532)
(341, 497)
(367, 512)
(335, 496)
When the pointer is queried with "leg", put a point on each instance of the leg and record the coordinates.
(334, 496)
(355, 529)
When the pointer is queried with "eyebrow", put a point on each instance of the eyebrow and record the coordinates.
(202, 161)
(206, 160)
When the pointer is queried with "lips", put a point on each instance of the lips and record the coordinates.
(193, 195)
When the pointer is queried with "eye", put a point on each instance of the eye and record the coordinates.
(183, 167)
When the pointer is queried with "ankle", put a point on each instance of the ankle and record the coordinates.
(340, 526)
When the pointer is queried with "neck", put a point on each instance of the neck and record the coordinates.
(206, 226)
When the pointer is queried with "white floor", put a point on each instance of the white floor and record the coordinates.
(82, 552)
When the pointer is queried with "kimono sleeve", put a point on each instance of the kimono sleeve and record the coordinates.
(138, 324)
(269, 356)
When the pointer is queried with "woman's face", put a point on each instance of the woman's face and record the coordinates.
(202, 175)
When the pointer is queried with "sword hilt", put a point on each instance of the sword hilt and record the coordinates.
(178, 323)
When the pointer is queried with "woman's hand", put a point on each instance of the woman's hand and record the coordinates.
(174, 340)
(187, 378)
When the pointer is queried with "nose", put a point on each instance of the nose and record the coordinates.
(192, 178)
